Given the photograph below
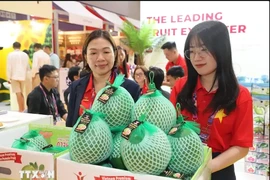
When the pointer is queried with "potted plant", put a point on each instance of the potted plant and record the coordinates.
(140, 40)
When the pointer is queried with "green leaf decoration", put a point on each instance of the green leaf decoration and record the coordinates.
(139, 40)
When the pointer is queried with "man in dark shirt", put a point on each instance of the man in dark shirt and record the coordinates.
(45, 99)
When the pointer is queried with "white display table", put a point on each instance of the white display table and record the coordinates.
(11, 128)
(22, 118)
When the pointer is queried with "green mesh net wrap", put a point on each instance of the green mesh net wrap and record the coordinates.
(187, 148)
(95, 144)
(24, 144)
(54, 149)
(158, 109)
(115, 158)
(148, 150)
(36, 138)
(118, 107)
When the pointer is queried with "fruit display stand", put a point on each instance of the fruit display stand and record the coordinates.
(12, 160)
(67, 169)
(257, 160)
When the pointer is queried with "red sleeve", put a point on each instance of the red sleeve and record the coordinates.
(185, 69)
(128, 70)
(183, 64)
(243, 127)
(167, 67)
(177, 89)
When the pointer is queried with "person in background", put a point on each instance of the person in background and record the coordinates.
(68, 61)
(26, 51)
(84, 72)
(45, 99)
(100, 53)
(122, 65)
(73, 74)
(175, 59)
(17, 67)
(140, 78)
(211, 96)
(55, 60)
(158, 79)
(81, 64)
(171, 53)
(28, 79)
(173, 74)
(39, 59)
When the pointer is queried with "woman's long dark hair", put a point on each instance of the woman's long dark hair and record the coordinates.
(94, 35)
(215, 37)
(124, 64)
(67, 58)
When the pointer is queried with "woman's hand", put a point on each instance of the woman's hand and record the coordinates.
(227, 158)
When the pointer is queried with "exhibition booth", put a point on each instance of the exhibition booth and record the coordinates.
(32, 147)
(64, 27)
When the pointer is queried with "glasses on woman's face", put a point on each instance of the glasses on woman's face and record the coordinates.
(138, 74)
(202, 52)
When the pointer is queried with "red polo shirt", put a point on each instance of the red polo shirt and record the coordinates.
(235, 129)
(121, 68)
(180, 62)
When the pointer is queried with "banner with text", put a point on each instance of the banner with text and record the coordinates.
(248, 25)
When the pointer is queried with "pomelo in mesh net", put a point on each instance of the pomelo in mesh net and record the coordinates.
(36, 138)
(24, 144)
(115, 158)
(118, 107)
(187, 148)
(95, 144)
(148, 150)
(158, 109)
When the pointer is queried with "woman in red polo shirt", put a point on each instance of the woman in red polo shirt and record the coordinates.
(100, 55)
(211, 96)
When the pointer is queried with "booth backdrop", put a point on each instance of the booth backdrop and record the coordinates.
(25, 32)
(248, 24)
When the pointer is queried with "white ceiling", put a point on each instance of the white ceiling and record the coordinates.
(127, 8)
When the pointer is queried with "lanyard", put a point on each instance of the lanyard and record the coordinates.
(54, 101)
(205, 131)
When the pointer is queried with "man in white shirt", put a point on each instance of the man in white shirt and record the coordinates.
(39, 59)
(55, 60)
(17, 67)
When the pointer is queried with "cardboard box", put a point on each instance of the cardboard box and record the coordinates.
(256, 168)
(68, 170)
(260, 89)
(12, 160)
(257, 157)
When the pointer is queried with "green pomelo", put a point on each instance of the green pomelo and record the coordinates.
(148, 152)
(158, 110)
(187, 152)
(94, 145)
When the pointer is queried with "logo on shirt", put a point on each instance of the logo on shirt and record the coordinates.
(220, 115)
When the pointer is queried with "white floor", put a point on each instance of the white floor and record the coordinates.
(5, 106)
